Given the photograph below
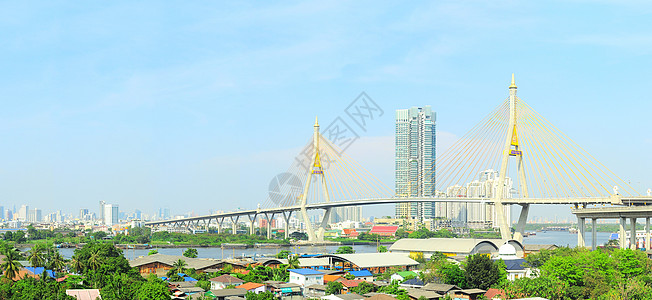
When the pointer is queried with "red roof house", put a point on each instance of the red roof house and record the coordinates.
(384, 230)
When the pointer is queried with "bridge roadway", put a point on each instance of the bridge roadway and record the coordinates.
(287, 211)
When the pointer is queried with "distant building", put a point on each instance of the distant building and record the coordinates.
(34, 215)
(22, 213)
(415, 161)
(110, 214)
(349, 213)
(82, 213)
(101, 215)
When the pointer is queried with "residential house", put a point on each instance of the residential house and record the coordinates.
(305, 277)
(223, 281)
(362, 275)
(416, 294)
(412, 283)
(495, 294)
(285, 291)
(253, 287)
(350, 233)
(85, 294)
(328, 278)
(224, 294)
(348, 284)
(400, 276)
(441, 288)
(381, 297)
(343, 297)
(468, 294)
(315, 290)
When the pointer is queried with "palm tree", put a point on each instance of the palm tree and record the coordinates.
(179, 266)
(94, 260)
(36, 256)
(293, 262)
(11, 265)
(57, 262)
(77, 265)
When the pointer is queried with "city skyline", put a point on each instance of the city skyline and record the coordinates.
(165, 123)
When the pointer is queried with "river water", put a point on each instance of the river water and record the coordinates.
(559, 238)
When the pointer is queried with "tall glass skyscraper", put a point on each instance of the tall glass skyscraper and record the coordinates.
(415, 160)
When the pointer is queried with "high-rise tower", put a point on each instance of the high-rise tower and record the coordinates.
(415, 161)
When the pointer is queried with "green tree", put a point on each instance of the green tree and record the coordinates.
(364, 288)
(179, 266)
(334, 288)
(11, 264)
(152, 252)
(204, 284)
(154, 289)
(382, 249)
(56, 262)
(283, 254)
(36, 256)
(190, 252)
(345, 250)
(481, 272)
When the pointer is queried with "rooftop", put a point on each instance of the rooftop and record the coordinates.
(305, 272)
(250, 286)
(371, 260)
(192, 263)
(226, 279)
(361, 273)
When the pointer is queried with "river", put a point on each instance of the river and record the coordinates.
(559, 238)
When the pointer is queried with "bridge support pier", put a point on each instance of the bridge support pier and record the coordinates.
(632, 233)
(269, 225)
(621, 233)
(234, 224)
(522, 220)
(252, 222)
(647, 233)
(580, 233)
(322, 227)
(286, 217)
(219, 225)
(594, 241)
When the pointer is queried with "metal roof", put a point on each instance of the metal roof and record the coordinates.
(372, 260)
(191, 263)
(305, 271)
(361, 273)
(445, 245)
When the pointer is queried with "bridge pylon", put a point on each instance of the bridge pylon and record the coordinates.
(315, 169)
(510, 149)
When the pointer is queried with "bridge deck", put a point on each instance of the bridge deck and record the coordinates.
(572, 201)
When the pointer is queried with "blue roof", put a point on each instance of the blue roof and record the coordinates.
(39, 271)
(188, 278)
(413, 281)
(361, 273)
(515, 264)
(306, 271)
(182, 274)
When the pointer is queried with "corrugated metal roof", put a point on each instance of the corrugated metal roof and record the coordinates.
(372, 260)
(305, 271)
(193, 263)
(443, 245)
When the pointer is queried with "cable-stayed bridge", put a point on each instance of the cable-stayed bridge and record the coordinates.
(536, 162)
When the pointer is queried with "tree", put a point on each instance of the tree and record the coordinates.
(154, 289)
(293, 262)
(283, 254)
(179, 266)
(76, 264)
(36, 256)
(204, 284)
(99, 235)
(95, 260)
(11, 263)
(299, 236)
(481, 272)
(334, 288)
(382, 249)
(56, 262)
(190, 252)
(152, 252)
(364, 288)
(345, 250)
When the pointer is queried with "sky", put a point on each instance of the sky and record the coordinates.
(196, 106)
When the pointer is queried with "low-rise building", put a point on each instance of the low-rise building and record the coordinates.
(305, 277)
(160, 264)
(223, 281)
(253, 287)
(362, 275)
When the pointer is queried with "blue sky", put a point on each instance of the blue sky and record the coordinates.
(196, 106)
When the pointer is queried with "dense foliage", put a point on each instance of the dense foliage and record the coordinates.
(582, 274)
